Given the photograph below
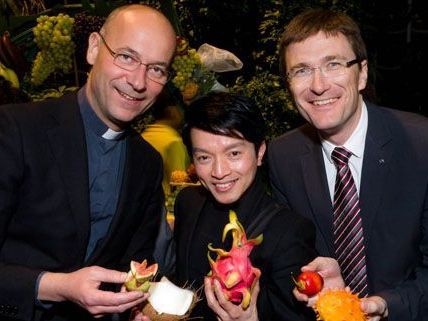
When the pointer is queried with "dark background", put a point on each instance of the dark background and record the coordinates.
(395, 31)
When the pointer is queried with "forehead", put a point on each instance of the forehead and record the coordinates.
(209, 142)
(144, 32)
(317, 47)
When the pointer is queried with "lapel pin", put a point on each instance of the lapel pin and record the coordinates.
(381, 161)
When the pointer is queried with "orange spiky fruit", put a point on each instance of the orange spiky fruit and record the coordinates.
(339, 305)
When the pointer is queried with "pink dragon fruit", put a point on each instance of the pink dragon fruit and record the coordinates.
(233, 269)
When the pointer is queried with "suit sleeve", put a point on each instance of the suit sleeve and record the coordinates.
(294, 248)
(408, 301)
(17, 283)
(273, 175)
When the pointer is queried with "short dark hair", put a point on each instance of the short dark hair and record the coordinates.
(226, 114)
(312, 21)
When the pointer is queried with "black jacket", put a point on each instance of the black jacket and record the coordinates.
(44, 205)
(393, 200)
(288, 244)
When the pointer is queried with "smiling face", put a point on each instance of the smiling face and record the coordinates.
(117, 95)
(332, 105)
(225, 165)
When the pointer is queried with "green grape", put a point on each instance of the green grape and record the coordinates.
(42, 68)
(185, 66)
(53, 37)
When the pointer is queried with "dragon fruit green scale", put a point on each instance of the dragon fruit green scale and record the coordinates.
(233, 269)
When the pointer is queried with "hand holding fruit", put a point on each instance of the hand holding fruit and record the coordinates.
(140, 275)
(374, 307)
(329, 270)
(309, 283)
(226, 310)
(83, 288)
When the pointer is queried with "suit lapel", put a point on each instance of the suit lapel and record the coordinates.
(67, 141)
(316, 186)
(376, 165)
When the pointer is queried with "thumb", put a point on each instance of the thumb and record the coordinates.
(311, 266)
(256, 291)
(368, 307)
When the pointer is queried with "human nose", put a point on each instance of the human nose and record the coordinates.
(220, 168)
(319, 82)
(138, 77)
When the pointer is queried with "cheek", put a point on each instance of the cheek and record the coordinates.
(296, 93)
(247, 169)
(300, 100)
(154, 89)
(201, 170)
(302, 111)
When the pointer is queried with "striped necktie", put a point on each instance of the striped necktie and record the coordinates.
(347, 225)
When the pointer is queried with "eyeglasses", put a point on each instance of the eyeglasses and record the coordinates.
(155, 72)
(329, 69)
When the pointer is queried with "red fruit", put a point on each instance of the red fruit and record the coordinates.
(233, 269)
(309, 283)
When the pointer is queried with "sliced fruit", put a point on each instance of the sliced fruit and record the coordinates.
(140, 276)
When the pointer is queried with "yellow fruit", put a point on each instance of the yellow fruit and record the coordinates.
(190, 91)
(9, 75)
(339, 305)
(179, 177)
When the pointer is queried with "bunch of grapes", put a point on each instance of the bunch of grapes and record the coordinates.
(184, 67)
(84, 25)
(53, 37)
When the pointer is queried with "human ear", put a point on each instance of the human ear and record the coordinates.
(261, 153)
(363, 74)
(93, 48)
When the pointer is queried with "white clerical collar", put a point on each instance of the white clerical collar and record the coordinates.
(110, 134)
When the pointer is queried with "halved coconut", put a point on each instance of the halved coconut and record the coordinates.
(168, 302)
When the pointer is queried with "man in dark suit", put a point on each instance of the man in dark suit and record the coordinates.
(80, 192)
(325, 62)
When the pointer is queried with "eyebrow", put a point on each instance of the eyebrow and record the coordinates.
(323, 60)
(136, 54)
(228, 148)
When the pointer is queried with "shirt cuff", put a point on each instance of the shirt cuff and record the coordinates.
(38, 303)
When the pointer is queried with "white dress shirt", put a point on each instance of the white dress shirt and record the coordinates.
(355, 144)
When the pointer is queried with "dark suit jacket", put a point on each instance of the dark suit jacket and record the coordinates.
(44, 204)
(288, 244)
(393, 201)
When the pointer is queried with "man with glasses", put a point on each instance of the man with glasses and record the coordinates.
(359, 171)
(80, 192)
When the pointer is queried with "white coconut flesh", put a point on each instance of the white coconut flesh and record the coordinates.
(166, 297)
